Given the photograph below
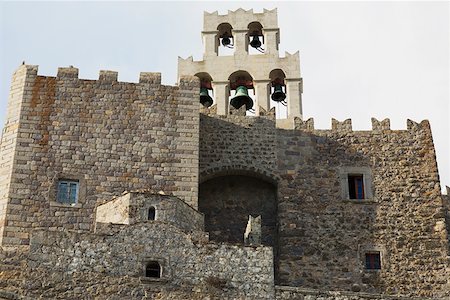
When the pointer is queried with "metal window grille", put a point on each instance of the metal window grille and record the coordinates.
(153, 269)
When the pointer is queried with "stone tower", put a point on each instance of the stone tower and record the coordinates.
(261, 71)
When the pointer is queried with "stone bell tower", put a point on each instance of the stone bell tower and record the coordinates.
(251, 64)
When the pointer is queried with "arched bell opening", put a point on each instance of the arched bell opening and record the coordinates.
(241, 82)
(278, 92)
(255, 38)
(227, 201)
(206, 90)
(224, 39)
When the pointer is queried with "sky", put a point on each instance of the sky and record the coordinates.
(358, 59)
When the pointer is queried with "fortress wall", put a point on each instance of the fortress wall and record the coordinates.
(237, 143)
(293, 293)
(12, 135)
(73, 265)
(323, 236)
(110, 136)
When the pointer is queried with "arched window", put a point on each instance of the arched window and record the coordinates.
(151, 213)
(153, 269)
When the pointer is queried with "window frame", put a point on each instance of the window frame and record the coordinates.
(164, 270)
(374, 260)
(154, 213)
(345, 171)
(379, 249)
(53, 193)
(159, 269)
(69, 183)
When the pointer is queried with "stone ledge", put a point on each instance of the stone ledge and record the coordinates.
(58, 204)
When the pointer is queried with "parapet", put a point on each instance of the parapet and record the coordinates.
(240, 19)
(346, 126)
(108, 76)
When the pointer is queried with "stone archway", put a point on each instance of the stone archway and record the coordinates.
(227, 201)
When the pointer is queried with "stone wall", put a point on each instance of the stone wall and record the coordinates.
(21, 86)
(110, 136)
(293, 293)
(227, 203)
(324, 235)
(238, 144)
(63, 265)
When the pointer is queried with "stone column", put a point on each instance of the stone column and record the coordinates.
(240, 42)
(221, 95)
(210, 43)
(262, 91)
(294, 97)
(271, 41)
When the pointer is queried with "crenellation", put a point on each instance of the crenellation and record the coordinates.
(150, 77)
(67, 72)
(108, 76)
(381, 125)
(345, 126)
(307, 125)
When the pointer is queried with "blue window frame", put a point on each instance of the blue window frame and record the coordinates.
(68, 191)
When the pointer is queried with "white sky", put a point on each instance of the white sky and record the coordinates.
(358, 59)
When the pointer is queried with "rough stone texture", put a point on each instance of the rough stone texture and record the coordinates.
(111, 136)
(228, 201)
(63, 265)
(292, 293)
(323, 236)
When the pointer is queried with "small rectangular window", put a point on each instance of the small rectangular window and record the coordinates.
(67, 191)
(373, 261)
(356, 186)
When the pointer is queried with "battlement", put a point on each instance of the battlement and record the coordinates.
(240, 19)
(108, 76)
(346, 126)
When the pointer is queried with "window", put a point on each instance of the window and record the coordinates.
(356, 186)
(373, 261)
(151, 213)
(68, 191)
(153, 269)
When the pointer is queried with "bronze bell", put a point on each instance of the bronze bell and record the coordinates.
(205, 99)
(255, 43)
(278, 95)
(226, 41)
(241, 97)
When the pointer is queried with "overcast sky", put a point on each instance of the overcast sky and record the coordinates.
(358, 59)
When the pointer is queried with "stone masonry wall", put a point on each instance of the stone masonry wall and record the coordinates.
(69, 265)
(111, 136)
(238, 144)
(323, 236)
(292, 293)
(20, 87)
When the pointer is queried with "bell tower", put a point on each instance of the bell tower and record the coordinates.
(241, 57)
